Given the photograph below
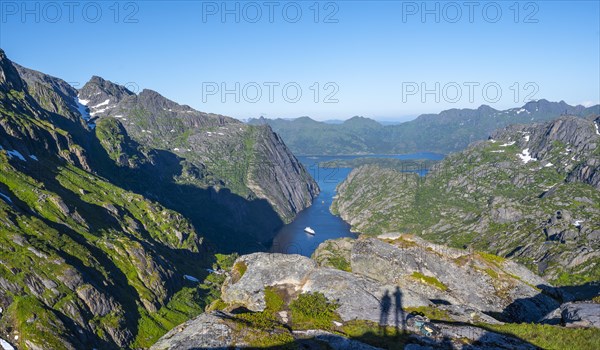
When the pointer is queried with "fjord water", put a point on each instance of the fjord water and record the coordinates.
(291, 238)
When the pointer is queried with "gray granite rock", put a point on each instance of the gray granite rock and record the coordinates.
(264, 270)
(334, 341)
(205, 331)
(464, 279)
(580, 314)
(361, 298)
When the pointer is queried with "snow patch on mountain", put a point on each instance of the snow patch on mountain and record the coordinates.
(522, 110)
(101, 110)
(84, 111)
(105, 103)
(526, 157)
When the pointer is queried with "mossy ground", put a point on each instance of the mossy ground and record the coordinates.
(429, 280)
(330, 255)
(313, 311)
(551, 337)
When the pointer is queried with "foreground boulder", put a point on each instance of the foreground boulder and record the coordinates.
(253, 272)
(207, 331)
(221, 330)
(446, 276)
(378, 293)
(400, 273)
(358, 297)
(581, 314)
(361, 298)
(574, 315)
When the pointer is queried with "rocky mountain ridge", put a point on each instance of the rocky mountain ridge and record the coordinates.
(449, 131)
(530, 192)
(221, 152)
(240, 179)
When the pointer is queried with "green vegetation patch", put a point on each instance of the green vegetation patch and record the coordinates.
(551, 337)
(238, 271)
(333, 257)
(429, 280)
(340, 263)
(265, 328)
(402, 242)
(313, 311)
(184, 305)
(432, 313)
(491, 273)
(491, 258)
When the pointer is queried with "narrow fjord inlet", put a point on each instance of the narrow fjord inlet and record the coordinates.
(293, 239)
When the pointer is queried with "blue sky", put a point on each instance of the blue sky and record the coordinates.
(375, 59)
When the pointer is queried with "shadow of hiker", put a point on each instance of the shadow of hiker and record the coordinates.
(386, 305)
(399, 315)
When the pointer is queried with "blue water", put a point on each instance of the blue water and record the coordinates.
(292, 239)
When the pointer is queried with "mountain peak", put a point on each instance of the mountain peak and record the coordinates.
(362, 122)
(304, 120)
(149, 92)
(96, 78)
(99, 90)
(9, 77)
(106, 85)
(157, 102)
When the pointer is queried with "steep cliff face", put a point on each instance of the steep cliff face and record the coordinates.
(529, 193)
(278, 176)
(221, 152)
(83, 262)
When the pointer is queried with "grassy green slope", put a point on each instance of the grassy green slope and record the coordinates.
(83, 263)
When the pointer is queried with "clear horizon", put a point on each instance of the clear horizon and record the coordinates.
(380, 60)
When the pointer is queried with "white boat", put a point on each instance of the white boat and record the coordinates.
(309, 230)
